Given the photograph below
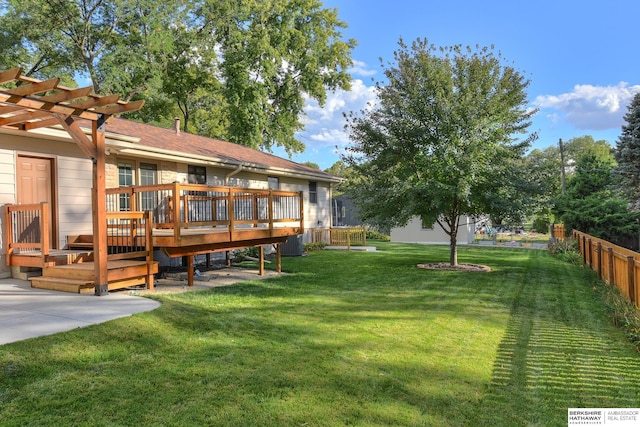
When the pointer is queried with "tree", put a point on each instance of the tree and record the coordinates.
(441, 142)
(594, 207)
(254, 62)
(627, 154)
(311, 164)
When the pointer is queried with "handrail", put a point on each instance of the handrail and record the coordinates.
(27, 229)
(340, 236)
(178, 206)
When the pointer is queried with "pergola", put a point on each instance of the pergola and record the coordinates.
(30, 104)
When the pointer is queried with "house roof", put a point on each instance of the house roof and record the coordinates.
(222, 152)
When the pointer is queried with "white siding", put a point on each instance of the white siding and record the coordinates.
(414, 233)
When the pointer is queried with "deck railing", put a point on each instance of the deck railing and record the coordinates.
(614, 264)
(129, 235)
(178, 206)
(340, 236)
(27, 229)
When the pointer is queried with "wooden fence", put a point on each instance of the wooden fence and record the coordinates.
(558, 231)
(614, 264)
(338, 236)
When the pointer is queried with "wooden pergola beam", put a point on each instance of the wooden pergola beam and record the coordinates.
(22, 118)
(68, 95)
(10, 75)
(33, 88)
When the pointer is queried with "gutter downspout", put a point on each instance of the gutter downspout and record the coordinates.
(232, 173)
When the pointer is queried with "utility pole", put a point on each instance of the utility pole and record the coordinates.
(562, 176)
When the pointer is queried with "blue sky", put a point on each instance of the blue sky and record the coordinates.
(581, 57)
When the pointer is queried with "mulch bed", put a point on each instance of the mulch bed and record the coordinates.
(459, 267)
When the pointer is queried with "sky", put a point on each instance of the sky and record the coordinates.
(580, 56)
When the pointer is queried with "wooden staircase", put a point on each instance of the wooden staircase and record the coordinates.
(80, 277)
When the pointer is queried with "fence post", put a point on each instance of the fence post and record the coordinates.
(599, 259)
(631, 266)
(611, 265)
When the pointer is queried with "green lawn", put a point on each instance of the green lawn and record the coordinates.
(362, 339)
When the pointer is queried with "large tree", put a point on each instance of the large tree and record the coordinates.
(441, 143)
(252, 63)
(592, 204)
(627, 154)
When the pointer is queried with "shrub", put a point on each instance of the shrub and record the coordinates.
(566, 250)
(541, 224)
(623, 312)
(376, 235)
(314, 246)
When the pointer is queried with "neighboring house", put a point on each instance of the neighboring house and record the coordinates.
(417, 232)
(47, 165)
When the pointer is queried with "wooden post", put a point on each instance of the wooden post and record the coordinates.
(99, 199)
(227, 255)
(190, 271)
(8, 234)
(231, 210)
(208, 259)
(45, 215)
(599, 259)
(279, 258)
(610, 258)
(148, 233)
(261, 264)
(631, 267)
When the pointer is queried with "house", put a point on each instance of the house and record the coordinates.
(220, 195)
(417, 232)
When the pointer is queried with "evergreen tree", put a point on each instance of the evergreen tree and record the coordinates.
(593, 206)
(627, 154)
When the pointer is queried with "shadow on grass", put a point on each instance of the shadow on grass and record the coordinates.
(559, 351)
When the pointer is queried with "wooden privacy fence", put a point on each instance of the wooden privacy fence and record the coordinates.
(614, 264)
(340, 236)
(558, 231)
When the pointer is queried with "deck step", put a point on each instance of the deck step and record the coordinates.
(76, 286)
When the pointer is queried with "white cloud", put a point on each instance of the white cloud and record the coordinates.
(360, 68)
(324, 126)
(591, 107)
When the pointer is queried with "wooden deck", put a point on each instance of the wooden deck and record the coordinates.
(182, 220)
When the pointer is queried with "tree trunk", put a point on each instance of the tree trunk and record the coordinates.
(453, 248)
(453, 241)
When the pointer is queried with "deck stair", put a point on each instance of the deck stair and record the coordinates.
(79, 278)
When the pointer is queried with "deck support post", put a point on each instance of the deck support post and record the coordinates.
(261, 265)
(190, 271)
(279, 257)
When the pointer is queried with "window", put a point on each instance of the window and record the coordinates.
(274, 183)
(148, 176)
(313, 193)
(125, 179)
(197, 174)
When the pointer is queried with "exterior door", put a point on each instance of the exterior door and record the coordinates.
(34, 182)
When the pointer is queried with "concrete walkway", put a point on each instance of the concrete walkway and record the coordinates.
(26, 312)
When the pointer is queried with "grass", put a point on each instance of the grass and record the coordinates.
(359, 339)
